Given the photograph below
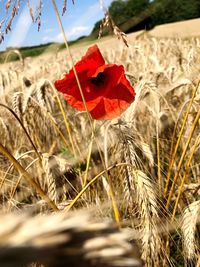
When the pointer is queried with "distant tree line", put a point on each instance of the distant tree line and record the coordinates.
(152, 12)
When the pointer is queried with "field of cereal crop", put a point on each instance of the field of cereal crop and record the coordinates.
(140, 170)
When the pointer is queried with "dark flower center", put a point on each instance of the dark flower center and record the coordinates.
(99, 80)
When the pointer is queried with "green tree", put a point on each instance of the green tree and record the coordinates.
(135, 7)
(175, 10)
(160, 11)
(121, 10)
(118, 11)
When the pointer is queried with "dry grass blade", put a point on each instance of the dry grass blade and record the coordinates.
(72, 61)
(193, 127)
(189, 225)
(93, 180)
(185, 175)
(24, 129)
(29, 179)
(172, 159)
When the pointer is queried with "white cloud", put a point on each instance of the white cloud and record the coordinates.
(73, 33)
(59, 38)
(77, 31)
(47, 39)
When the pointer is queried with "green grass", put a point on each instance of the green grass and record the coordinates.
(34, 51)
(27, 52)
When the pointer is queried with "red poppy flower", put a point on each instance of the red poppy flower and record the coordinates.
(106, 90)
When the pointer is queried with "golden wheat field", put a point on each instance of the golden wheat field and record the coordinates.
(124, 192)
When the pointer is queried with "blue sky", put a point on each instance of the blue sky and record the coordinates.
(78, 20)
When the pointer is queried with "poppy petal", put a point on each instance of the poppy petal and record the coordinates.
(115, 84)
(79, 105)
(93, 53)
(110, 108)
(92, 59)
(121, 87)
(106, 90)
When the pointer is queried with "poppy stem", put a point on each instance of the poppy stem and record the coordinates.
(89, 157)
(85, 106)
